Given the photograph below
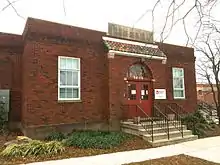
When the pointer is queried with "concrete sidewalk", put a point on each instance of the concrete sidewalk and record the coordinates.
(202, 148)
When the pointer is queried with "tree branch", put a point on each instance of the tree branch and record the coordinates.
(15, 10)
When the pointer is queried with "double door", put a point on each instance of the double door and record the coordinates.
(141, 94)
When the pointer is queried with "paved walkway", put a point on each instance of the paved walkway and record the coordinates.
(202, 148)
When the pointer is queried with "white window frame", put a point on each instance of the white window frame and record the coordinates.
(69, 86)
(183, 77)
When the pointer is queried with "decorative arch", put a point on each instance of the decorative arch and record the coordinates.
(139, 71)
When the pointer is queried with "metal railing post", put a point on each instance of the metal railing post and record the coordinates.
(168, 131)
(152, 130)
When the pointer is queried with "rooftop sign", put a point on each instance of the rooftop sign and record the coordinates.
(126, 32)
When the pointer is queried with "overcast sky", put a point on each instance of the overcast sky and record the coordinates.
(95, 14)
(92, 14)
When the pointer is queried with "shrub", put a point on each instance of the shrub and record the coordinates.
(34, 148)
(196, 123)
(95, 139)
(3, 119)
(195, 117)
(55, 136)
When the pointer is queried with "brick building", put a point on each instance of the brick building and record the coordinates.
(205, 93)
(67, 77)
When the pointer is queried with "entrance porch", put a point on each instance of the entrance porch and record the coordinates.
(162, 128)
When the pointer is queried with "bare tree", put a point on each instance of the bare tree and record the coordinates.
(201, 9)
(205, 21)
(11, 4)
(208, 48)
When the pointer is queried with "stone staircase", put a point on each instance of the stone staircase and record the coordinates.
(160, 136)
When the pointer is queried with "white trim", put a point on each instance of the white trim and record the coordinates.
(137, 55)
(79, 80)
(129, 42)
(182, 89)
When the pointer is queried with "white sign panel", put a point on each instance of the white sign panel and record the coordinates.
(160, 93)
(133, 92)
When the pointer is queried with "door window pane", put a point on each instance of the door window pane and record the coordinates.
(132, 92)
(144, 92)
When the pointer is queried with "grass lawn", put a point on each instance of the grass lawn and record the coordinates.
(132, 143)
(176, 160)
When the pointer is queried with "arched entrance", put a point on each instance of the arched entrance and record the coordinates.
(139, 88)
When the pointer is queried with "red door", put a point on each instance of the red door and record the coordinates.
(141, 94)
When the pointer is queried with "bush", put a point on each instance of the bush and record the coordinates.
(196, 123)
(34, 148)
(195, 117)
(95, 139)
(3, 119)
(55, 136)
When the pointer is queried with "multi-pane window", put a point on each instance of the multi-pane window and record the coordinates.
(68, 78)
(144, 92)
(132, 92)
(178, 83)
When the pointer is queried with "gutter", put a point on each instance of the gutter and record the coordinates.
(137, 55)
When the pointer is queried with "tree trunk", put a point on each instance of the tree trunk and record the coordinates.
(218, 112)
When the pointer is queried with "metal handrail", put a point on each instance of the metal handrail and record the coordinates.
(178, 124)
(179, 109)
(150, 129)
(163, 122)
(176, 121)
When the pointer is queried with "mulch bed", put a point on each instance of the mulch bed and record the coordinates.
(132, 144)
(176, 160)
(214, 132)
(70, 152)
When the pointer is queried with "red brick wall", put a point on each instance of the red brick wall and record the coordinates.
(181, 57)
(40, 76)
(102, 79)
(162, 73)
(11, 47)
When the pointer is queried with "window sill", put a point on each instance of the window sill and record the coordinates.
(179, 98)
(69, 101)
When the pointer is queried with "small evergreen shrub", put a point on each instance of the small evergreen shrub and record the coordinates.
(55, 136)
(33, 148)
(196, 123)
(3, 121)
(95, 139)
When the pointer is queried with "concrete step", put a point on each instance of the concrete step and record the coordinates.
(158, 123)
(161, 130)
(156, 129)
(144, 119)
(176, 140)
(159, 133)
(161, 136)
(146, 125)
